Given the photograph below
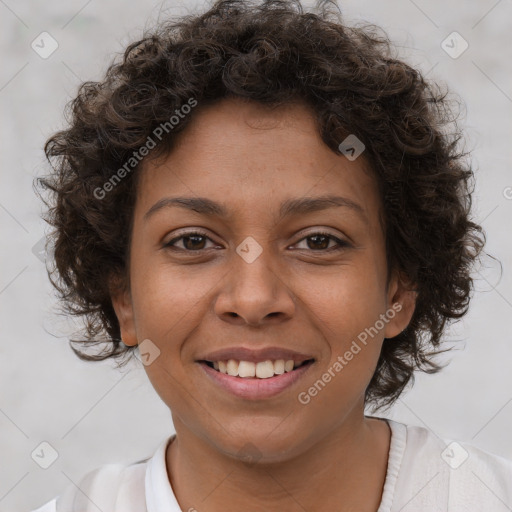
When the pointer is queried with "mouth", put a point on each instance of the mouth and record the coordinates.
(256, 380)
(259, 370)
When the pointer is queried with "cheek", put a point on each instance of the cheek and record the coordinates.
(168, 307)
(348, 301)
(347, 309)
(167, 299)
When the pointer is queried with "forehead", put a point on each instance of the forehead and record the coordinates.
(247, 154)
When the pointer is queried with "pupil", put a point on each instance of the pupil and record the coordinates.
(194, 237)
(316, 244)
(323, 246)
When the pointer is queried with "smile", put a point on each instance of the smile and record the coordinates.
(255, 380)
(260, 370)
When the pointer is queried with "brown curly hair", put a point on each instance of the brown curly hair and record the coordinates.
(271, 52)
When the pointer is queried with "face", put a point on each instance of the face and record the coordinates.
(265, 269)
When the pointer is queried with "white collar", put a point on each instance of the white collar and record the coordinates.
(160, 495)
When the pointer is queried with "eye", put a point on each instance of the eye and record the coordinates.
(320, 242)
(191, 241)
(194, 241)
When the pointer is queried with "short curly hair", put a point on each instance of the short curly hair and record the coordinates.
(272, 52)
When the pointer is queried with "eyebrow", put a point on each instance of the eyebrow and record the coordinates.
(298, 206)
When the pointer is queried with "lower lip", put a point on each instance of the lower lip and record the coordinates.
(252, 388)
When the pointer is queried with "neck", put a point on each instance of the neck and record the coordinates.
(345, 470)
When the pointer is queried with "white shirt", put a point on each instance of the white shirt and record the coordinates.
(424, 474)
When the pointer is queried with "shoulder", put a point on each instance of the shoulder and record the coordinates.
(51, 506)
(138, 487)
(433, 450)
(452, 475)
(109, 487)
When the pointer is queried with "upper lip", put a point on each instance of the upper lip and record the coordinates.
(255, 355)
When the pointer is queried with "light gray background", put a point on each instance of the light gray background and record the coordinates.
(92, 414)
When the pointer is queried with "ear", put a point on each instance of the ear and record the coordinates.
(401, 299)
(122, 304)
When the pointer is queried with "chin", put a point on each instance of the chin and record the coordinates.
(262, 446)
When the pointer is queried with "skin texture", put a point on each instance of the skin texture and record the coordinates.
(297, 294)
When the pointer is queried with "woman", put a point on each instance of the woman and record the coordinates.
(268, 206)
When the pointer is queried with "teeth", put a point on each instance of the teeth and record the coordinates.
(232, 367)
(279, 366)
(261, 370)
(265, 369)
(246, 369)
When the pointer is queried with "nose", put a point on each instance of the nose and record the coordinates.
(254, 293)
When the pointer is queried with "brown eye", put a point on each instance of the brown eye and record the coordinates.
(320, 242)
(193, 241)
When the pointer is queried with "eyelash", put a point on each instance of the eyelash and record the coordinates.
(341, 243)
